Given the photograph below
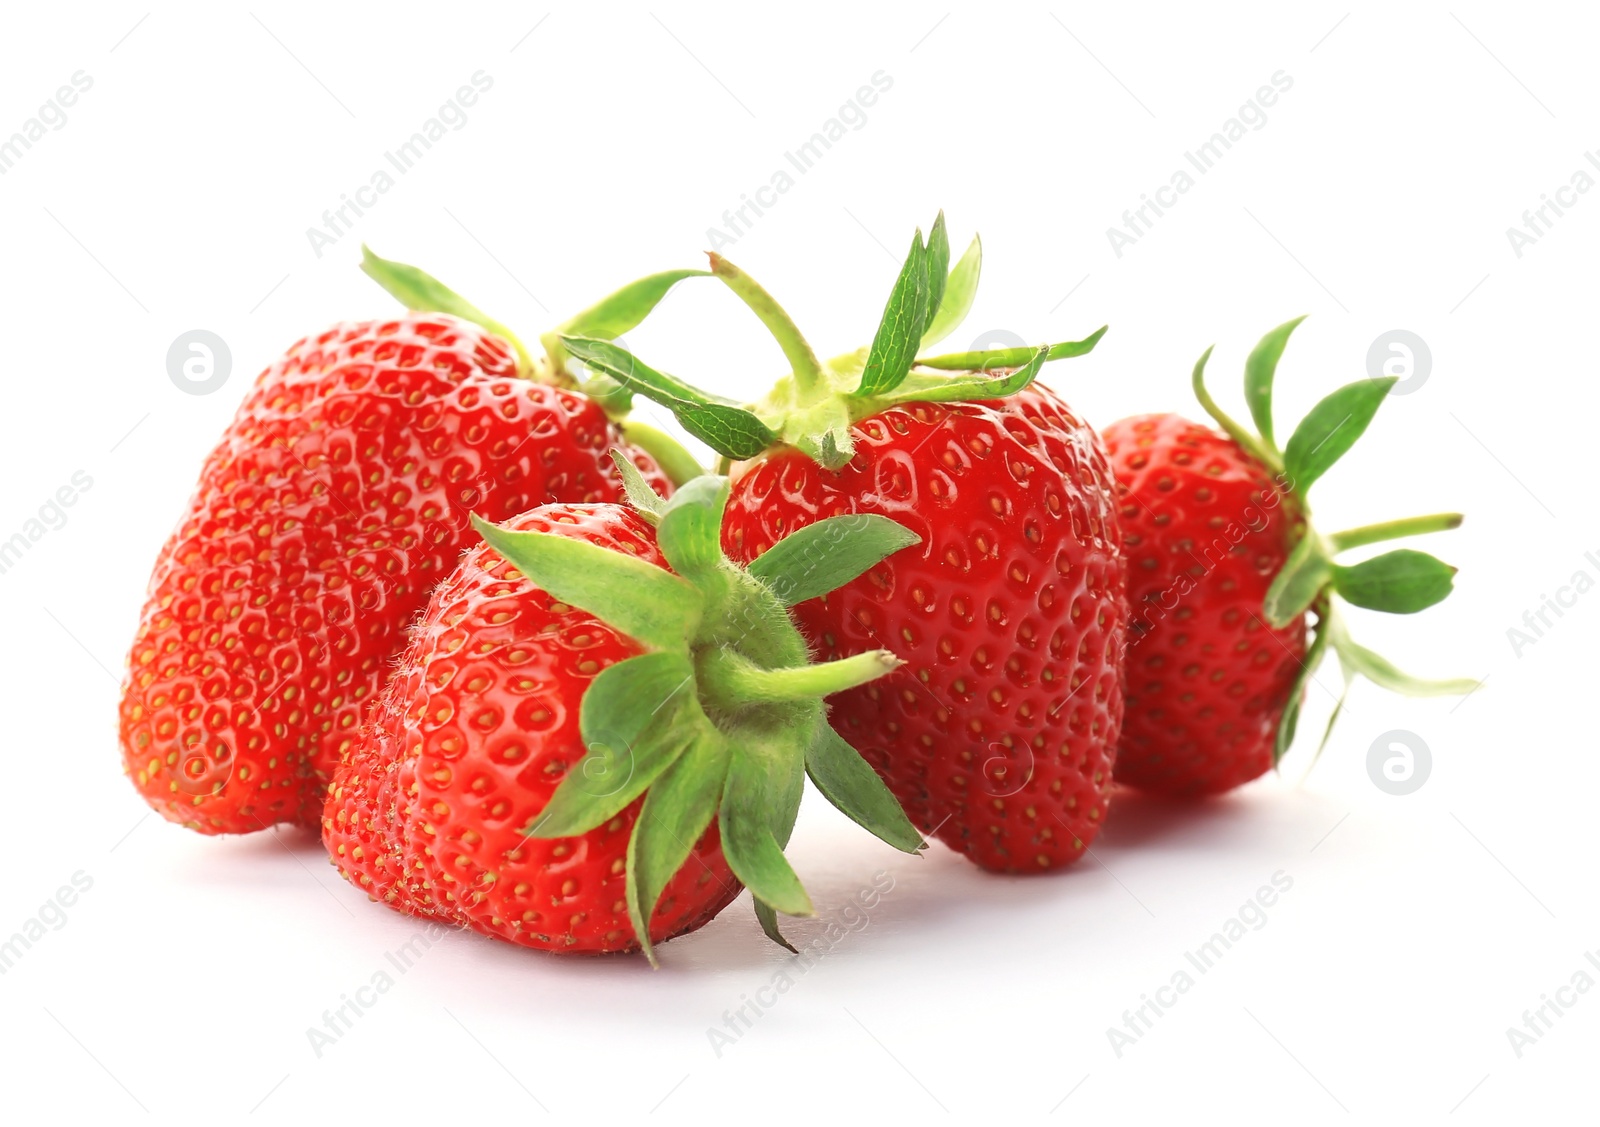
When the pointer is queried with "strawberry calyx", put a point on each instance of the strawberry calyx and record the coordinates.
(721, 718)
(815, 405)
(1400, 581)
(610, 317)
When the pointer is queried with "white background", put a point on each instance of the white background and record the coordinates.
(1377, 196)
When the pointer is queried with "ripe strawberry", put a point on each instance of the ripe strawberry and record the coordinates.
(1223, 568)
(601, 720)
(997, 737)
(337, 498)
(1206, 529)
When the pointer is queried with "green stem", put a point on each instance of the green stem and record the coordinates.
(547, 370)
(1244, 438)
(676, 462)
(1393, 530)
(731, 682)
(555, 353)
(803, 361)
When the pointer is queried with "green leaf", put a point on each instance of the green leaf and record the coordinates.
(1382, 672)
(731, 431)
(925, 387)
(417, 289)
(614, 315)
(894, 346)
(676, 811)
(647, 603)
(1330, 429)
(755, 783)
(1266, 454)
(938, 262)
(990, 359)
(1259, 369)
(721, 424)
(647, 501)
(628, 700)
(1403, 581)
(834, 449)
(1338, 711)
(690, 533)
(847, 781)
(1303, 576)
(821, 557)
(961, 287)
(768, 918)
(637, 717)
(788, 785)
(626, 368)
(1291, 711)
(781, 820)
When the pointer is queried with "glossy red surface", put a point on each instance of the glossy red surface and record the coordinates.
(466, 745)
(1206, 529)
(336, 499)
(997, 736)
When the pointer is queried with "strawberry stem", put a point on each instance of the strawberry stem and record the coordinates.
(730, 682)
(1393, 530)
(803, 362)
(676, 462)
(815, 408)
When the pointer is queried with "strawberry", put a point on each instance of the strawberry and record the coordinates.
(601, 726)
(1224, 571)
(336, 499)
(997, 737)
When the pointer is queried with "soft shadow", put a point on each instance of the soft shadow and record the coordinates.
(303, 843)
(1139, 819)
(284, 856)
(730, 943)
(279, 843)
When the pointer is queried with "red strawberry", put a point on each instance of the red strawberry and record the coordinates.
(998, 735)
(578, 739)
(1223, 568)
(337, 498)
(1206, 529)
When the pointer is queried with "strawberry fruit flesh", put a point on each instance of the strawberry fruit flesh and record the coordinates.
(997, 736)
(1206, 529)
(339, 495)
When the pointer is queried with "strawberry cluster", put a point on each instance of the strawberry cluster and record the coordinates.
(531, 671)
